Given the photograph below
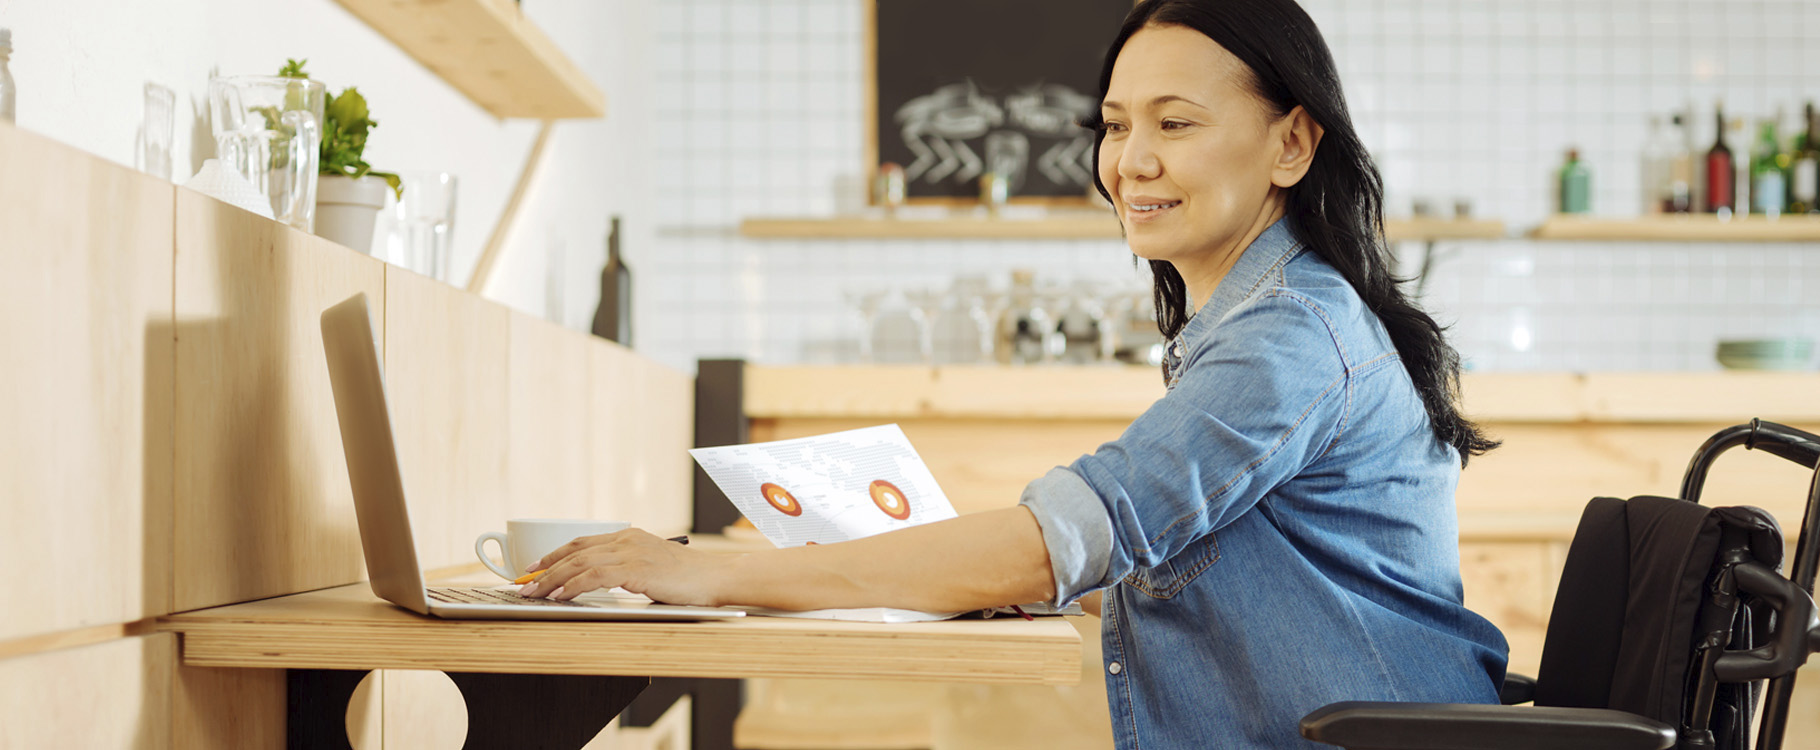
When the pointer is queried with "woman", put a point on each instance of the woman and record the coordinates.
(1277, 532)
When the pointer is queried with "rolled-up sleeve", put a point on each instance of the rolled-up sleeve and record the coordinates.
(1076, 531)
(1260, 398)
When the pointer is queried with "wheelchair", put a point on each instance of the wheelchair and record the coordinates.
(1669, 620)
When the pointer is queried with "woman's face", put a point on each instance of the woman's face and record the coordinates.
(1189, 151)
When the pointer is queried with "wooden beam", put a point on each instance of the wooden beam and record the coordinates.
(501, 230)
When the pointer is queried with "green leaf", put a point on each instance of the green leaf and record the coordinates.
(346, 121)
(293, 69)
(349, 109)
(392, 179)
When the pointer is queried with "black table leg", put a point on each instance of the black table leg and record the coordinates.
(715, 705)
(541, 711)
(317, 716)
(505, 711)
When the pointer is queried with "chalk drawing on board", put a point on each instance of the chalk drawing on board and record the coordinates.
(937, 126)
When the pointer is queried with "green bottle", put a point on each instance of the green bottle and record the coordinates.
(1576, 185)
(1768, 173)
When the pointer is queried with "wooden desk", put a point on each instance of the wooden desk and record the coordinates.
(587, 670)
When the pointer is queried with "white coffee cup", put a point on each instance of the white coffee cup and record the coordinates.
(527, 540)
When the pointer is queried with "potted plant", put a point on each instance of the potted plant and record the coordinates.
(349, 194)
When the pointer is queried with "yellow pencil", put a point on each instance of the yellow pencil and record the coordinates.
(529, 577)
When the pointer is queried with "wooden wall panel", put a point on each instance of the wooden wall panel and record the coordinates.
(109, 695)
(1553, 468)
(85, 383)
(423, 710)
(446, 382)
(548, 455)
(643, 423)
(227, 709)
(263, 506)
(1512, 585)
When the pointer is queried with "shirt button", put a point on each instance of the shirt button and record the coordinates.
(1114, 668)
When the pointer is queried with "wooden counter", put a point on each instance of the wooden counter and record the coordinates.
(1123, 392)
(348, 628)
(987, 431)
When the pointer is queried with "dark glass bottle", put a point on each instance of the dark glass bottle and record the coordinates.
(613, 319)
(1804, 174)
(1721, 193)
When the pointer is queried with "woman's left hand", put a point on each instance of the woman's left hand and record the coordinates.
(638, 561)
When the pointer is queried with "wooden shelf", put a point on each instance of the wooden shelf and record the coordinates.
(1682, 228)
(1423, 230)
(1086, 225)
(489, 51)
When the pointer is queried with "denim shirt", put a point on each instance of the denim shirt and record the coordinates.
(1277, 532)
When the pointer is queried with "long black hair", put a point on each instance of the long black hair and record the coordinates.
(1336, 210)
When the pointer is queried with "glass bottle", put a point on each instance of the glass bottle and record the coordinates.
(1576, 185)
(1804, 171)
(1768, 187)
(7, 89)
(1678, 195)
(1657, 169)
(1720, 192)
(1024, 324)
(613, 318)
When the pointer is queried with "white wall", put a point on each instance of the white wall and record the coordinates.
(80, 66)
(758, 112)
(722, 109)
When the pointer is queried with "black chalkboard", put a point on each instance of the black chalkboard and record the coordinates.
(962, 87)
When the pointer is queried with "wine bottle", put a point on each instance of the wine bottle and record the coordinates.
(1804, 172)
(613, 319)
(1720, 192)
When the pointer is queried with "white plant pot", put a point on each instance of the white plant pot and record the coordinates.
(346, 209)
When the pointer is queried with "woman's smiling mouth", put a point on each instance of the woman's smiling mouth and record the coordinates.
(1146, 209)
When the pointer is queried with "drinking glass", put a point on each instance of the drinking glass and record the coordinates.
(423, 230)
(269, 129)
(155, 130)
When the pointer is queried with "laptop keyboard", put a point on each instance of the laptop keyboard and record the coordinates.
(493, 596)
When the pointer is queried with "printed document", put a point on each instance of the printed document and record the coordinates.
(831, 488)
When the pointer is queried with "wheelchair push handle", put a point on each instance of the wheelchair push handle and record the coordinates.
(1798, 446)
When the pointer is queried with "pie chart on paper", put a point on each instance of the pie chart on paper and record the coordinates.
(781, 499)
(890, 499)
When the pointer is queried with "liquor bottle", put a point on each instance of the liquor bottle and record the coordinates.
(1804, 171)
(1768, 186)
(1576, 185)
(1678, 196)
(1720, 192)
(1657, 169)
(613, 319)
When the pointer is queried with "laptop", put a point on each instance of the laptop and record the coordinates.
(385, 524)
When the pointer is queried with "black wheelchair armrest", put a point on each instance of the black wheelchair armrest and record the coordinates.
(1518, 688)
(1359, 725)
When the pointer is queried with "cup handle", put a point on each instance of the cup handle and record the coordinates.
(304, 153)
(480, 550)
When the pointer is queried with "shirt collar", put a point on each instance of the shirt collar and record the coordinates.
(1259, 261)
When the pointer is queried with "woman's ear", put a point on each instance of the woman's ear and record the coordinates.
(1300, 135)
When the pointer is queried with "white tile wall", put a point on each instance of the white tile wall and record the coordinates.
(759, 113)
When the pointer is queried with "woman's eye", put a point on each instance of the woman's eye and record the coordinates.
(1174, 125)
(1112, 127)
